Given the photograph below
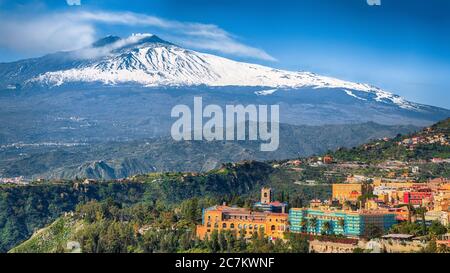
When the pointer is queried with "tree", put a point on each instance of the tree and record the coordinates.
(341, 223)
(190, 210)
(407, 228)
(222, 242)
(304, 225)
(326, 227)
(297, 202)
(313, 224)
(231, 240)
(421, 211)
(436, 228)
(431, 247)
(348, 204)
(213, 243)
(373, 232)
(259, 244)
(298, 243)
(358, 250)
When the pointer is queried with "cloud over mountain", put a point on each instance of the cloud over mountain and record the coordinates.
(68, 30)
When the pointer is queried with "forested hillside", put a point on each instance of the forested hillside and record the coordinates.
(432, 142)
(25, 209)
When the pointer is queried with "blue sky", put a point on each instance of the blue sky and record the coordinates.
(402, 46)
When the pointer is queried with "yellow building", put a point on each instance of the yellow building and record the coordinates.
(242, 221)
(349, 191)
(379, 182)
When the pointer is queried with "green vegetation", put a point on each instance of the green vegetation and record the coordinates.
(106, 227)
(25, 209)
(158, 212)
(51, 239)
(380, 150)
(417, 229)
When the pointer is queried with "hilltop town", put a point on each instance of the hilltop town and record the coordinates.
(385, 205)
(390, 195)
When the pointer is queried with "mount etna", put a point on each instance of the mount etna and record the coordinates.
(104, 111)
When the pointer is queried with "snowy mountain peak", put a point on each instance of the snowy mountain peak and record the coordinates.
(106, 41)
(147, 60)
(134, 40)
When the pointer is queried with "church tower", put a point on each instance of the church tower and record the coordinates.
(266, 195)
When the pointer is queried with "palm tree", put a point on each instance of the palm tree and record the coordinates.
(313, 224)
(341, 223)
(304, 225)
(348, 204)
(421, 211)
(326, 227)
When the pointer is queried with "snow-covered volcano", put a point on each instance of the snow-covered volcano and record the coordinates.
(147, 60)
(146, 76)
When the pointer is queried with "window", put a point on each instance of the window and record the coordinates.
(224, 225)
(272, 228)
(232, 226)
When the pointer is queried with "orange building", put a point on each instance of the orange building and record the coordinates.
(242, 221)
(348, 191)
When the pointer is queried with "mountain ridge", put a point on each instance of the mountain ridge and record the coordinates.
(150, 61)
(122, 159)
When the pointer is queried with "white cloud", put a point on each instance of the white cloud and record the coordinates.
(73, 2)
(72, 30)
(91, 52)
(196, 35)
(44, 34)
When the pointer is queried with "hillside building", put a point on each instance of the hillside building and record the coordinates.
(243, 222)
(347, 223)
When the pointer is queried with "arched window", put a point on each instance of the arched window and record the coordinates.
(232, 226)
(239, 226)
(272, 228)
(224, 225)
(245, 226)
(208, 225)
(250, 226)
(216, 225)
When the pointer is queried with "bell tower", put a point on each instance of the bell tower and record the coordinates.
(266, 195)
